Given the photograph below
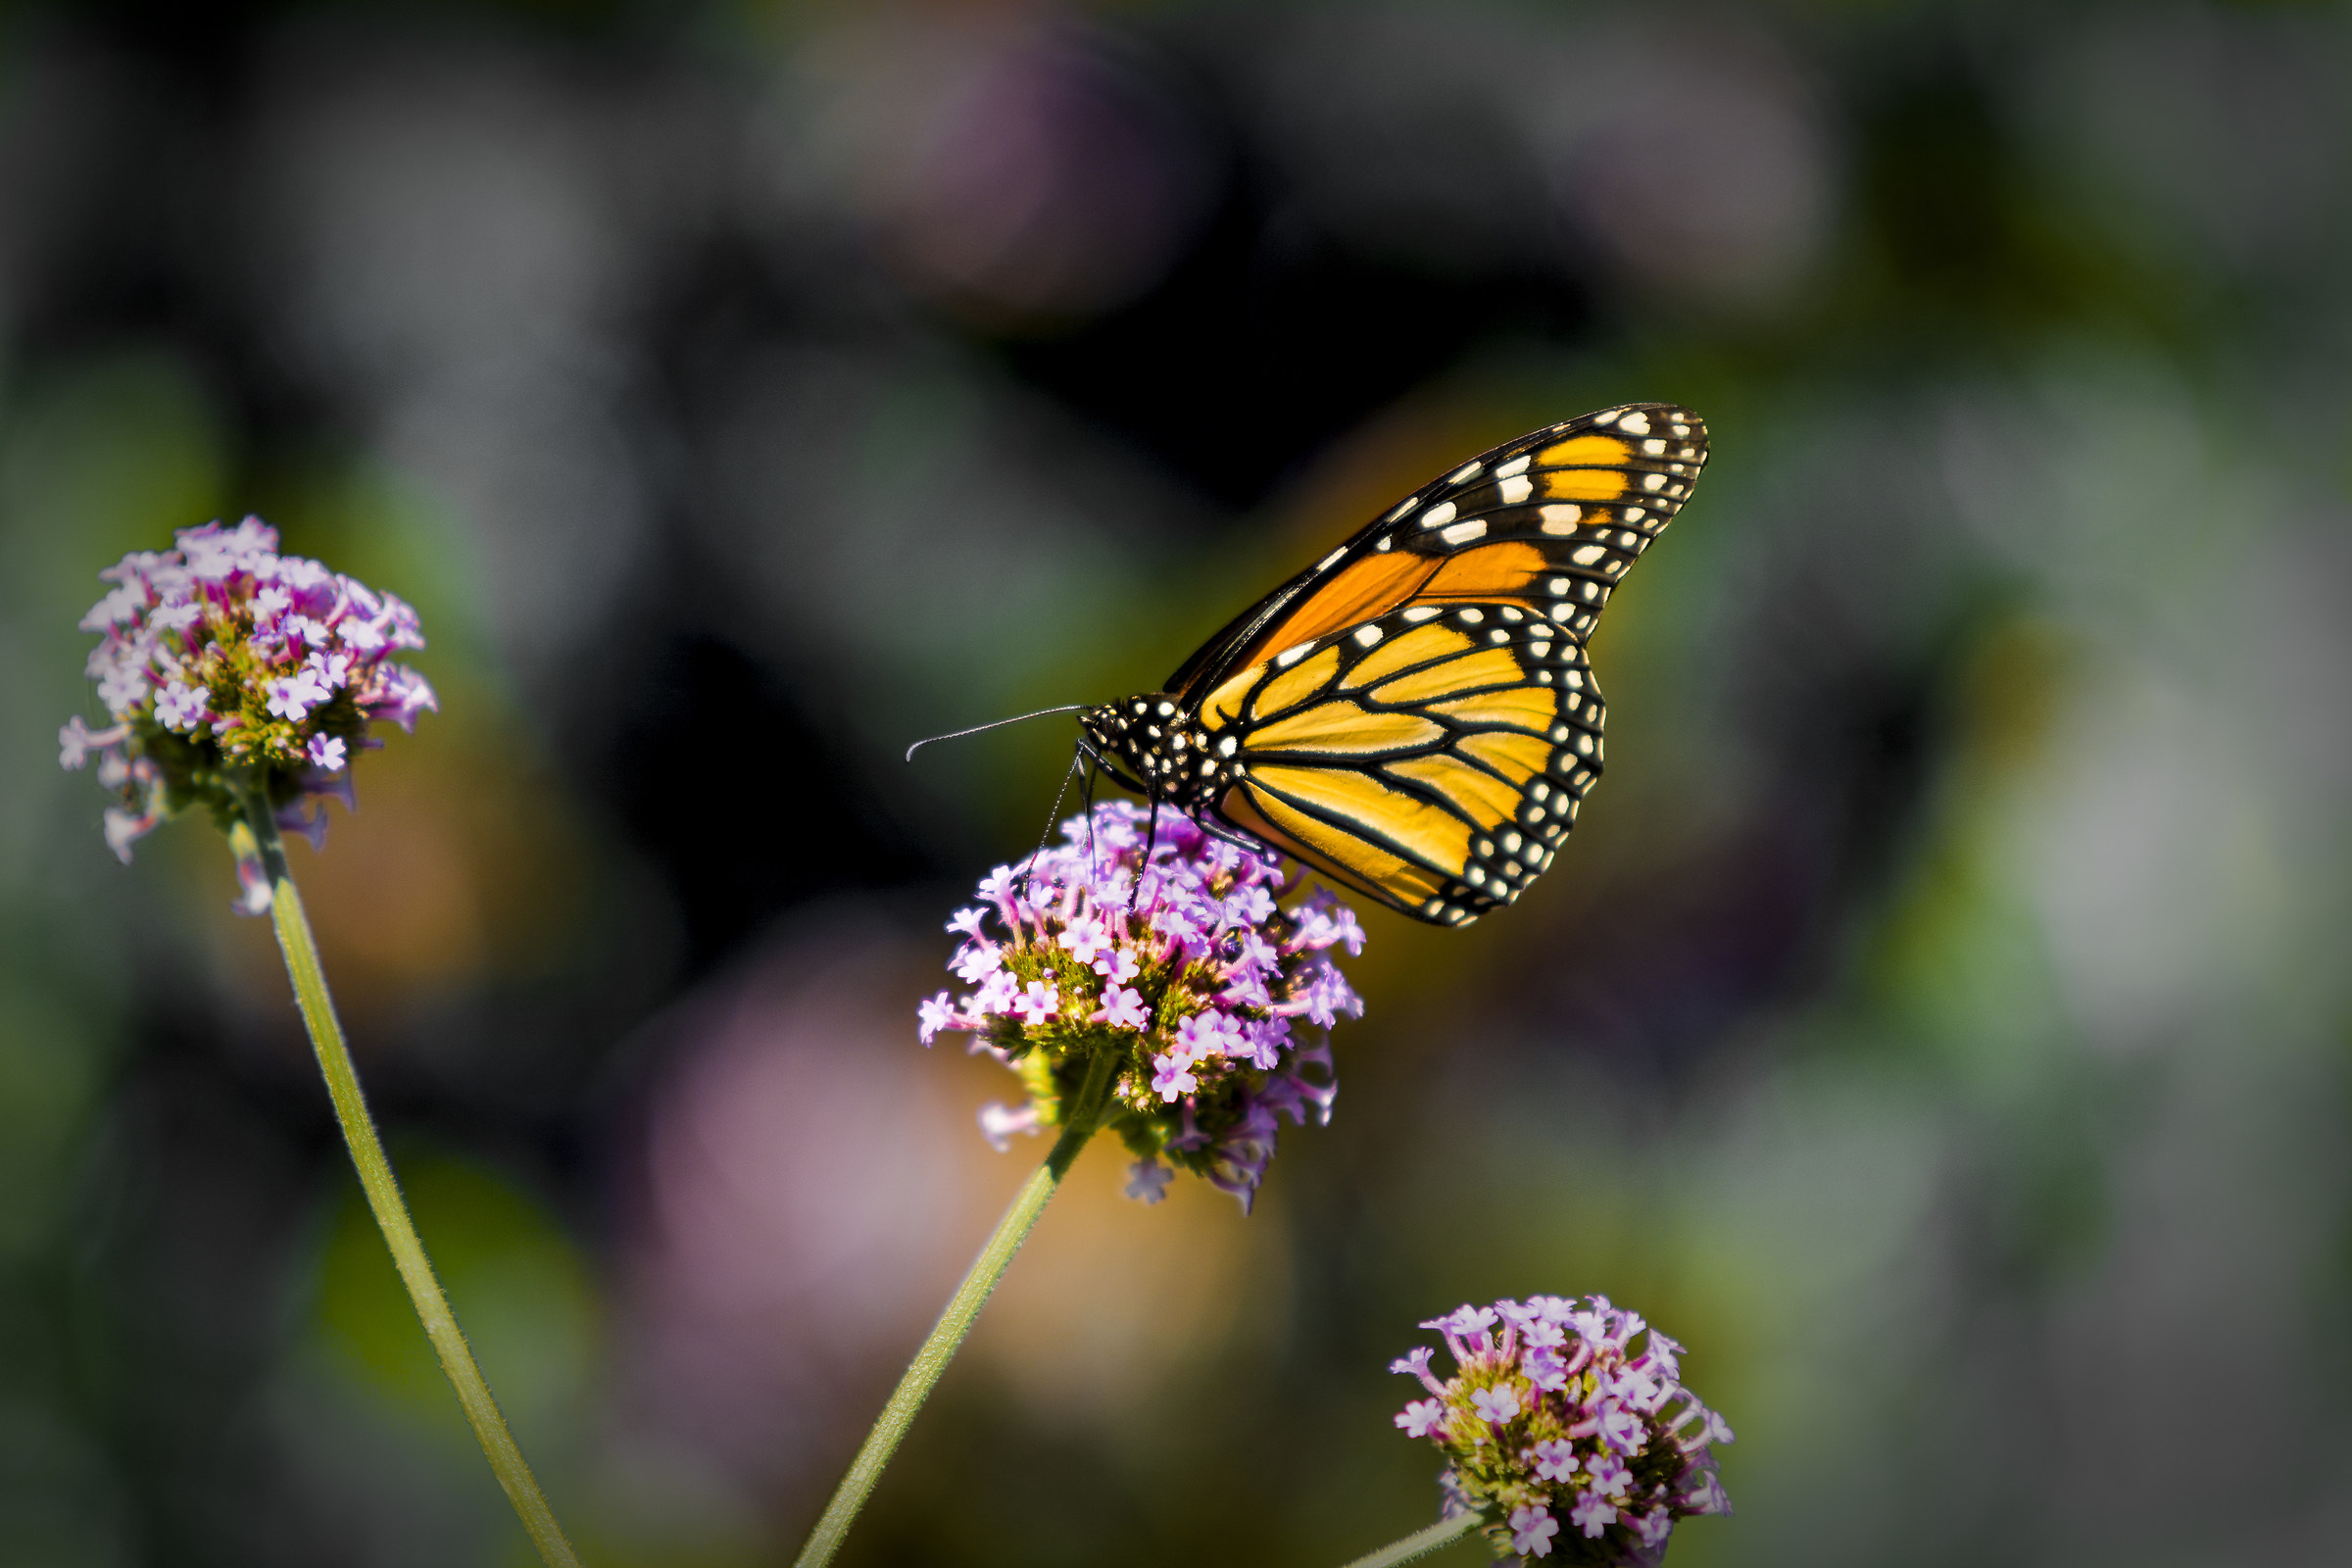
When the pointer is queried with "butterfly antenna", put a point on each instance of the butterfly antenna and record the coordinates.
(994, 724)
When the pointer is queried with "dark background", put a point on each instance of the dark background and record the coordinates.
(1939, 1022)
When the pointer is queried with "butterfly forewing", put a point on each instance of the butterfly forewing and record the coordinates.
(1582, 498)
(1414, 715)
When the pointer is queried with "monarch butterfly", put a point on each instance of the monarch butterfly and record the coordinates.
(1413, 715)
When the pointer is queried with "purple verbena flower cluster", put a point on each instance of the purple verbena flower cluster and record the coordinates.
(221, 658)
(1569, 1431)
(1214, 998)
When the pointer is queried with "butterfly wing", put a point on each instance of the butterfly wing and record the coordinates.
(1611, 479)
(1414, 715)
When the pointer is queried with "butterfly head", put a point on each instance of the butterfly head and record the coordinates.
(1153, 744)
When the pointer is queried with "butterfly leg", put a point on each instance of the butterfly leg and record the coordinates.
(1151, 842)
(1216, 830)
(1087, 797)
(1060, 795)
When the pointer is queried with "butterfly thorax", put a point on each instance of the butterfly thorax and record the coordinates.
(1152, 743)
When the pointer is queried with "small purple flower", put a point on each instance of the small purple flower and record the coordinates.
(997, 993)
(1422, 1417)
(1205, 1035)
(1602, 1432)
(975, 961)
(1634, 1387)
(292, 697)
(998, 1124)
(75, 741)
(1186, 967)
(1172, 1077)
(398, 693)
(1608, 1475)
(175, 615)
(1545, 1368)
(1037, 1003)
(1532, 1530)
(1651, 1528)
(1499, 1406)
(1148, 1181)
(180, 705)
(229, 667)
(1592, 1515)
(931, 1016)
(1269, 1039)
(1085, 941)
(1251, 905)
(1123, 1008)
(1703, 1495)
(1464, 1321)
(1622, 1428)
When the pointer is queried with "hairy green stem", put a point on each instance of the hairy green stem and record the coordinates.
(1421, 1543)
(256, 840)
(1085, 1114)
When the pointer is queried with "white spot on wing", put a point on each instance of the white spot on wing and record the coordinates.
(1419, 614)
(1461, 533)
(1653, 481)
(1366, 636)
(1438, 515)
(1586, 555)
(1291, 656)
(1637, 422)
(1515, 490)
(1561, 518)
(1468, 471)
(1517, 465)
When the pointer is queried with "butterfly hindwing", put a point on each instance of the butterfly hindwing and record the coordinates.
(1433, 757)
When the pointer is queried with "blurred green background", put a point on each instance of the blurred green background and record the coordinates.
(1940, 1022)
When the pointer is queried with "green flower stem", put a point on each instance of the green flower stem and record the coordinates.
(947, 1337)
(1421, 1543)
(256, 839)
